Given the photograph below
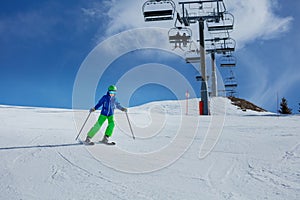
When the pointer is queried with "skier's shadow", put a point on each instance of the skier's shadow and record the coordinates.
(40, 146)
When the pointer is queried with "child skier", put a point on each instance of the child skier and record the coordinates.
(108, 103)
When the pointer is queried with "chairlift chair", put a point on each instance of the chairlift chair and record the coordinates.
(192, 59)
(199, 78)
(230, 92)
(231, 85)
(224, 23)
(158, 10)
(230, 82)
(192, 55)
(220, 45)
(210, 46)
(227, 60)
(180, 37)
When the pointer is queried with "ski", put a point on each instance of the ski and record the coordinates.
(106, 143)
(93, 143)
(86, 143)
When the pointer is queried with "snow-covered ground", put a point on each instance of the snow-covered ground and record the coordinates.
(255, 156)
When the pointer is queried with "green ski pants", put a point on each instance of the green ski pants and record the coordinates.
(109, 130)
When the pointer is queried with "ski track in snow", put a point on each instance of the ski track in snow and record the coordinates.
(256, 157)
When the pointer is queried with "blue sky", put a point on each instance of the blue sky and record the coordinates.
(43, 44)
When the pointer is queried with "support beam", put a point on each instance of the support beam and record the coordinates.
(204, 93)
(214, 91)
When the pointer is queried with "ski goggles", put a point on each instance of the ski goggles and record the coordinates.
(112, 92)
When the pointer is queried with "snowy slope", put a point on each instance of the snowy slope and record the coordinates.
(257, 155)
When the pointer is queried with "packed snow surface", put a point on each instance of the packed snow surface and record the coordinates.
(230, 154)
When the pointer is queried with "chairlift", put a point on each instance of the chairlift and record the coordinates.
(192, 55)
(180, 37)
(199, 78)
(220, 24)
(158, 10)
(230, 86)
(227, 60)
(220, 45)
(230, 82)
(230, 92)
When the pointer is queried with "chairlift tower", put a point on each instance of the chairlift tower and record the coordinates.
(218, 45)
(213, 12)
(206, 10)
(214, 90)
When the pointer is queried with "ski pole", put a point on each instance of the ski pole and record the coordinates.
(83, 125)
(130, 125)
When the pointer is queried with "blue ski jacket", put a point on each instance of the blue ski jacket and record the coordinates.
(108, 104)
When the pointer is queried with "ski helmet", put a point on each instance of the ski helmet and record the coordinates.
(112, 88)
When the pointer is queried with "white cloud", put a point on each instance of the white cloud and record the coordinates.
(255, 19)
(96, 10)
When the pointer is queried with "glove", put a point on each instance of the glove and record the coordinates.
(124, 109)
(92, 109)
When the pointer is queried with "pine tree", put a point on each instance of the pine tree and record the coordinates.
(299, 108)
(284, 109)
